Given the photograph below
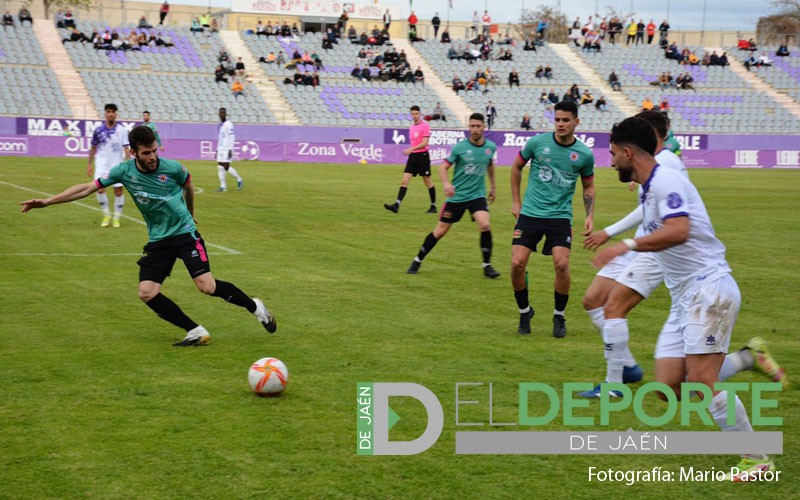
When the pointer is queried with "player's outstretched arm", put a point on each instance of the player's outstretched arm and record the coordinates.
(675, 231)
(630, 221)
(73, 193)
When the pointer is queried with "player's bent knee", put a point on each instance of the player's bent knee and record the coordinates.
(147, 294)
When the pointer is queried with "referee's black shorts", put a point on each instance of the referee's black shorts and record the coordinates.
(419, 164)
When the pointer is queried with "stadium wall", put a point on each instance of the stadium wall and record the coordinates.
(58, 137)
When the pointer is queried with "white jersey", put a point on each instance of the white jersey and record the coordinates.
(225, 136)
(668, 194)
(110, 144)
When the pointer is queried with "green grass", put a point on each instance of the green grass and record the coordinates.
(96, 403)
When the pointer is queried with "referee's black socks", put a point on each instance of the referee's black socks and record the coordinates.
(427, 246)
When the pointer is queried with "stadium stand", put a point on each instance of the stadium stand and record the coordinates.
(784, 74)
(513, 102)
(27, 86)
(341, 99)
(129, 77)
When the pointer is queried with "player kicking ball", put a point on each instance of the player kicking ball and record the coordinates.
(162, 190)
(471, 160)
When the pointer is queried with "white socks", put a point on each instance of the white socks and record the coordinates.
(719, 409)
(734, 363)
(102, 199)
(119, 204)
(223, 183)
(615, 337)
(599, 321)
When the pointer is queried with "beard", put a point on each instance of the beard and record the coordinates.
(625, 174)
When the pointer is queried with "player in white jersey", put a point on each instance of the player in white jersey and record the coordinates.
(109, 149)
(225, 140)
(705, 297)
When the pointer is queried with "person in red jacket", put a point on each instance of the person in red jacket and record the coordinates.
(651, 32)
(412, 19)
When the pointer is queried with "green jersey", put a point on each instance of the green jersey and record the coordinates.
(672, 143)
(554, 172)
(152, 126)
(158, 195)
(469, 169)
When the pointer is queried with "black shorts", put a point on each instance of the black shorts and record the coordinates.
(159, 257)
(419, 164)
(530, 230)
(452, 212)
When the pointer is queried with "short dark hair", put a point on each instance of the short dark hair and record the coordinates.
(111, 107)
(569, 106)
(657, 120)
(223, 109)
(476, 116)
(415, 108)
(637, 132)
(145, 112)
(141, 136)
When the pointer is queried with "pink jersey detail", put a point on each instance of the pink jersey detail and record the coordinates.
(201, 251)
(417, 133)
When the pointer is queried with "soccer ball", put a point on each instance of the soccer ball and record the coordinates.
(268, 376)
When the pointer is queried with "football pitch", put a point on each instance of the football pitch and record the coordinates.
(96, 403)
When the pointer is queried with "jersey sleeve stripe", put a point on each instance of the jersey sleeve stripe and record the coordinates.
(587, 176)
(98, 184)
(675, 215)
(522, 157)
(188, 178)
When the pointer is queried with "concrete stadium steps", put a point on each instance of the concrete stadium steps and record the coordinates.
(595, 80)
(69, 80)
(453, 101)
(258, 79)
(756, 83)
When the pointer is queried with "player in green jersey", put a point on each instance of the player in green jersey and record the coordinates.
(557, 161)
(472, 162)
(162, 190)
(152, 126)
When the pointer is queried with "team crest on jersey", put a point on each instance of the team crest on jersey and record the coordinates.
(574, 156)
(546, 150)
(163, 178)
(488, 152)
(517, 234)
(674, 200)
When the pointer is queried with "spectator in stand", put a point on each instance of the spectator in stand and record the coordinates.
(205, 20)
(352, 35)
(663, 81)
(445, 35)
(220, 74)
(486, 23)
(663, 33)
(143, 24)
(196, 26)
(575, 92)
(260, 29)
(419, 76)
(308, 79)
(764, 60)
(569, 97)
(751, 45)
(640, 32)
(513, 78)
(526, 122)
(783, 50)
(412, 21)
(270, 59)
(647, 104)
(162, 12)
(59, 19)
(436, 22)
(663, 106)
(356, 73)
(614, 28)
(541, 28)
(476, 21)
(24, 15)
(543, 98)
(452, 53)
(237, 88)
(692, 59)
(491, 115)
(651, 32)
(366, 73)
(458, 84)
(750, 61)
(387, 19)
(601, 105)
(505, 55)
(240, 67)
(297, 79)
(587, 97)
(684, 82)
(76, 36)
(342, 22)
(539, 72)
(552, 96)
(280, 60)
(631, 32)
(438, 113)
(530, 44)
(69, 19)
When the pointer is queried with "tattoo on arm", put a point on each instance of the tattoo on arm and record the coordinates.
(588, 203)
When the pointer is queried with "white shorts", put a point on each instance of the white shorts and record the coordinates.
(101, 172)
(224, 156)
(638, 271)
(701, 321)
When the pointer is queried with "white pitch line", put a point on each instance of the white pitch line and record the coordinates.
(127, 217)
